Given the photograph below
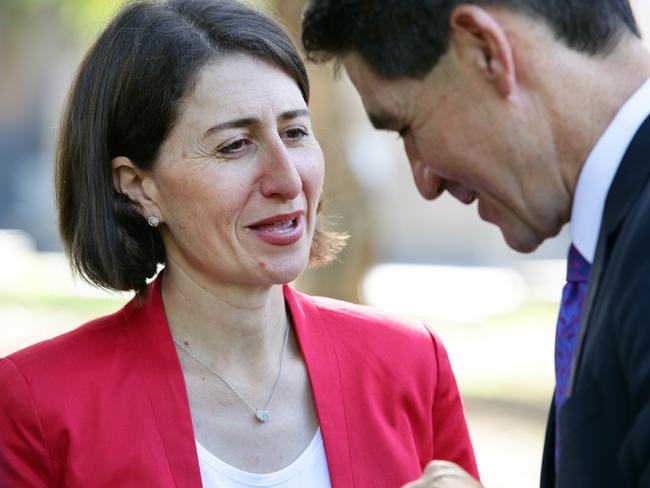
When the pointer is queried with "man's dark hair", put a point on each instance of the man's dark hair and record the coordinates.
(407, 37)
(124, 102)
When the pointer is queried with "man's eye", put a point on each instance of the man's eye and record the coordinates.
(296, 133)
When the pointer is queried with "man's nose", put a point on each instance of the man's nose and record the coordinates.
(427, 182)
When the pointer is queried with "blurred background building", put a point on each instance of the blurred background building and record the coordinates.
(495, 309)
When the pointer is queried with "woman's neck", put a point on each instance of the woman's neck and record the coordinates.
(230, 328)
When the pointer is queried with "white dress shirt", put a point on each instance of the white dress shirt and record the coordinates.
(308, 470)
(599, 169)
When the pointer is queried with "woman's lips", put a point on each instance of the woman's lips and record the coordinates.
(281, 230)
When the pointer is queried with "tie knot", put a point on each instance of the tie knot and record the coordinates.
(577, 269)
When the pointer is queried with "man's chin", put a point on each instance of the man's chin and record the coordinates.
(519, 235)
(522, 243)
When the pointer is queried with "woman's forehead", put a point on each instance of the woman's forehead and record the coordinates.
(234, 88)
(242, 80)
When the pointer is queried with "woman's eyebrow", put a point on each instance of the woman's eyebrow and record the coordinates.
(248, 121)
(231, 124)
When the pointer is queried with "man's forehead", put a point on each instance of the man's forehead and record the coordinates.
(364, 78)
(381, 97)
(386, 101)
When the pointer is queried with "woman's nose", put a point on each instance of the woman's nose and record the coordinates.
(281, 177)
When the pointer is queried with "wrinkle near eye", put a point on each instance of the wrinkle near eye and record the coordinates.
(201, 153)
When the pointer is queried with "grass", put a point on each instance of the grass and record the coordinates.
(82, 306)
(508, 356)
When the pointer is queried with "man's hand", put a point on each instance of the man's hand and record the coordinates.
(444, 474)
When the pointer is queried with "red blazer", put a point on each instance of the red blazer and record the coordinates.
(105, 405)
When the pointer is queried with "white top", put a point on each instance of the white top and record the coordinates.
(598, 171)
(309, 470)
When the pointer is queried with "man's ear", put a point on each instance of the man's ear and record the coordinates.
(479, 38)
(131, 181)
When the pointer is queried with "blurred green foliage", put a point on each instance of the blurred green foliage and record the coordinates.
(82, 19)
(87, 17)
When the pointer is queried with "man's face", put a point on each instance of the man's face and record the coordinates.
(462, 136)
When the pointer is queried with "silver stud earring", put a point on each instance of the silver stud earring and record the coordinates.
(153, 221)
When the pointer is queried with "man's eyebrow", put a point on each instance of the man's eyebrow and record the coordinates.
(294, 114)
(383, 121)
(248, 121)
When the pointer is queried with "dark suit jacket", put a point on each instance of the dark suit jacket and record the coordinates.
(605, 422)
(105, 405)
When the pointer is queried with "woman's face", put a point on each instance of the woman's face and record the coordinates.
(238, 179)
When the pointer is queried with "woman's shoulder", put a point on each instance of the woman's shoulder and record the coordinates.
(374, 347)
(365, 321)
(78, 348)
(42, 379)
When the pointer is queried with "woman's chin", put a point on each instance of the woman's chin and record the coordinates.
(283, 272)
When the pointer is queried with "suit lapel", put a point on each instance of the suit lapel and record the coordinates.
(161, 371)
(593, 286)
(628, 183)
(547, 479)
(319, 353)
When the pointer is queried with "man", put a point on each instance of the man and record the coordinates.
(539, 110)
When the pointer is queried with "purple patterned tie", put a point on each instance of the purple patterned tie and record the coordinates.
(568, 328)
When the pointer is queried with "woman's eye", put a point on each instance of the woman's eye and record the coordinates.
(295, 134)
(234, 147)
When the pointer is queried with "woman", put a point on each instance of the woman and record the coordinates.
(187, 143)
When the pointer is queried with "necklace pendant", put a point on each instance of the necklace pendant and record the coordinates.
(262, 416)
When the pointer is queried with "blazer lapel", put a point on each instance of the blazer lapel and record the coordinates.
(154, 353)
(630, 178)
(319, 353)
(156, 357)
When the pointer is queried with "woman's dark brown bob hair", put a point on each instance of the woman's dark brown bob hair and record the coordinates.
(124, 102)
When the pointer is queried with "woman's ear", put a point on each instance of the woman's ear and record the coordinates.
(481, 40)
(134, 183)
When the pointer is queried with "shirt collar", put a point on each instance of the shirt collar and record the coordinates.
(599, 169)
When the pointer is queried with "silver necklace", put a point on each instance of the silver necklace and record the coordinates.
(262, 415)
